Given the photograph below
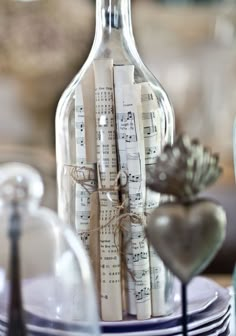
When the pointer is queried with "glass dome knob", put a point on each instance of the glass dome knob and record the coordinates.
(21, 184)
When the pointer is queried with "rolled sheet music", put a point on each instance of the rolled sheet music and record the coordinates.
(124, 75)
(137, 195)
(127, 139)
(152, 139)
(84, 174)
(87, 200)
(111, 293)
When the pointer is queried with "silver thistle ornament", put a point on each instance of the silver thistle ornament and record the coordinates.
(188, 232)
(184, 169)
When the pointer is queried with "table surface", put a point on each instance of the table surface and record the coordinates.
(224, 280)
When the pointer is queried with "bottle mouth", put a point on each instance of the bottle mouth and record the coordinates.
(112, 19)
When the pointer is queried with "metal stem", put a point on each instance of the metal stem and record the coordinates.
(16, 324)
(184, 309)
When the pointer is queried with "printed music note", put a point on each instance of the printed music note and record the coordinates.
(147, 97)
(150, 130)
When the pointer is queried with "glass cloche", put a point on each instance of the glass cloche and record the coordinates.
(46, 285)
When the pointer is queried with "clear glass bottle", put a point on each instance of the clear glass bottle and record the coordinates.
(111, 123)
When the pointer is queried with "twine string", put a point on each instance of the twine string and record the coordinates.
(83, 176)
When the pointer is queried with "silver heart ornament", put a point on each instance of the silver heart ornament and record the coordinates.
(187, 237)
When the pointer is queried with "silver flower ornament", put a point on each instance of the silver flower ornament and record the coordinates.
(184, 169)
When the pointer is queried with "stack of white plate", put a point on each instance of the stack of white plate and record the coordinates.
(209, 313)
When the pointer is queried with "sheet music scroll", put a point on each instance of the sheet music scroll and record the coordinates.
(84, 174)
(152, 138)
(137, 194)
(124, 75)
(111, 294)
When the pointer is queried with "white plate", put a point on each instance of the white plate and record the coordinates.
(202, 292)
(209, 329)
(211, 318)
(214, 329)
(221, 330)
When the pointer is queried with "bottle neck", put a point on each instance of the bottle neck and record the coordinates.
(113, 27)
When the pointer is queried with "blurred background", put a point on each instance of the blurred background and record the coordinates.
(190, 46)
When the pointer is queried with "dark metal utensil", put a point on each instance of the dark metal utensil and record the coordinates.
(16, 323)
(21, 190)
